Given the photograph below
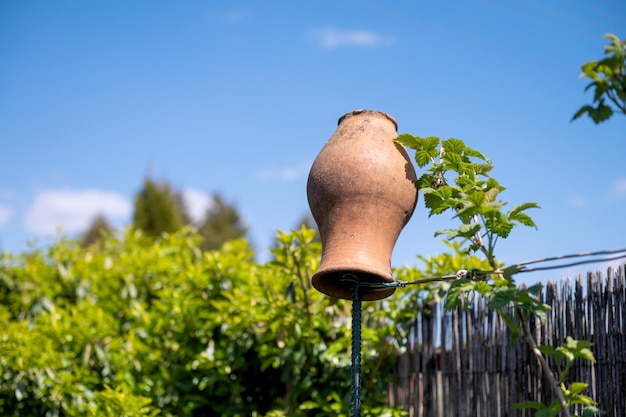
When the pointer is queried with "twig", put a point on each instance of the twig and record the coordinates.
(554, 384)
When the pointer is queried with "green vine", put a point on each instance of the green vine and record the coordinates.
(456, 179)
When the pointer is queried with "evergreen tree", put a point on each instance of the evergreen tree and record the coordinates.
(181, 206)
(98, 227)
(222, 223)
(156, 210)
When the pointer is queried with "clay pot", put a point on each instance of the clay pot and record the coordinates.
(362, 192)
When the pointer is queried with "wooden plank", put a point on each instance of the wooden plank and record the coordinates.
(621, 355)
(443, 363)
(417, 368)
(468, 360)
(428, 371)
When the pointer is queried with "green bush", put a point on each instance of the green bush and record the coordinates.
(131, 326)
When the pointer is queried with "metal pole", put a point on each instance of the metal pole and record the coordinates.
(356, 353)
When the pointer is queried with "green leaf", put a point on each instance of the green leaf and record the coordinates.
(601, 113)
(548, 412)
(483, 288)
(524, 219)
(509, 271)
(567, 354)
(466, 231)
(476, 154)
(433, 202)
(541, 314)
(449, 233)
(581, 399)
(502, 297)
(579, 348)
(308, 405)
(455, 293)
(577, 388)
(587, 355)
(499, 224)
(535, 289)
(440, 200)
(616, 46)
(408, 140)
(469, 230)
(425, 148)
(517, 214)
(423, 157)
(431, 144)
(491, 194)
(307, 235)
(591, 410)
(582, 111)
(453, 146)
(574, 344)
(454, 161)
(589, 69)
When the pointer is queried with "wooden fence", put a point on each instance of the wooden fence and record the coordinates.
(464, 363)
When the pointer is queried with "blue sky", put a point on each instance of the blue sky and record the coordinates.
(238, 97)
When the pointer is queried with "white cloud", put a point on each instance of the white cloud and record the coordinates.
(619, 188)
(334, 38)
(197, 202)
(286, 174)
(73, 210)
(5, 214)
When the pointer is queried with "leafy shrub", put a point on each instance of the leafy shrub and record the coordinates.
(131, 326)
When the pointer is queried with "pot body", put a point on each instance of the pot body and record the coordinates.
(362, 191)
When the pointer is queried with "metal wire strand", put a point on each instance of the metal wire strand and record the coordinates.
(478, 274)
(578, 255)
(588, 261)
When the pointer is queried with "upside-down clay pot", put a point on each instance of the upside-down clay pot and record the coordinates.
(362, 191)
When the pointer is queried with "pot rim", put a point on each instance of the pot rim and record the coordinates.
(360, 111)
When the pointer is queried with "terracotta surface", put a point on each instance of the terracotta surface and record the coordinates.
(362, 192)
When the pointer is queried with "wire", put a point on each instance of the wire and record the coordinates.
(588, 261)
(477, 274)
(576, 255)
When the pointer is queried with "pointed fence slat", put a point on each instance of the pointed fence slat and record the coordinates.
(465, 363)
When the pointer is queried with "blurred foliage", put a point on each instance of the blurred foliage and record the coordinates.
(161, 209)
(221, 224)
(308, 222)
(98, 227)
(157, 210)
(137, 326)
